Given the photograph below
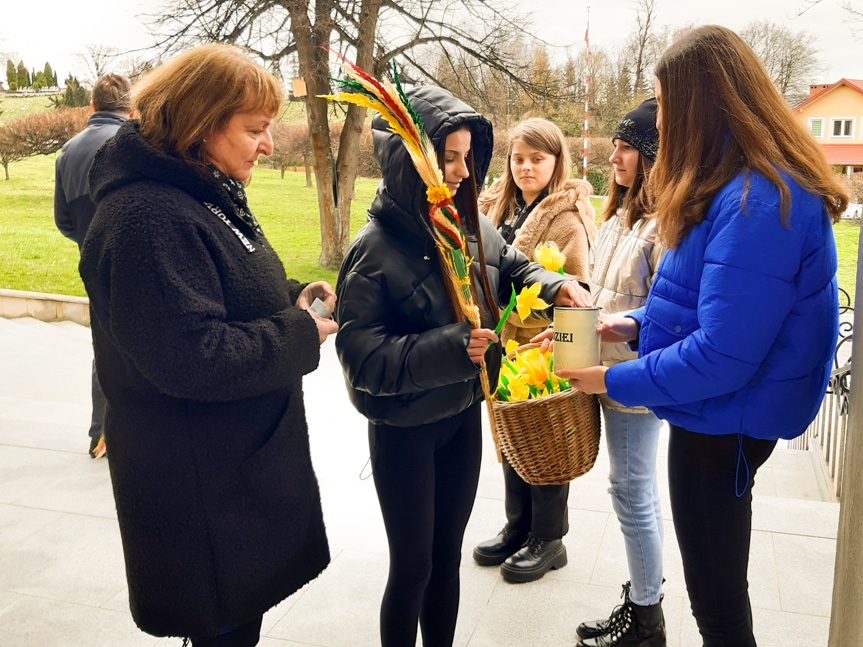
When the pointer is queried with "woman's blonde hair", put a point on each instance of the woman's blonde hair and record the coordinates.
(195, 94)
(721, 115)
(541, 135)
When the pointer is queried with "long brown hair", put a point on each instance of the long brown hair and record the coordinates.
(720, 115)
(636, 201)
(465, 201)
(541, 135)
(195, 94)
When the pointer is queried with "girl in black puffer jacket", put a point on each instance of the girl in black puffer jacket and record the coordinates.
(412, 364)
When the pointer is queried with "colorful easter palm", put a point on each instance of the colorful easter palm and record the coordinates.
(390, 101)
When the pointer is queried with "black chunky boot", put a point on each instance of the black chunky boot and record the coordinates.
(629, 625)
(495, 551)
(533, 560)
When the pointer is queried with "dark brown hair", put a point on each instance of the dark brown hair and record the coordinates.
(636, 201)
(112, 93)
(183, 101)
(465, 201)
(721, 115)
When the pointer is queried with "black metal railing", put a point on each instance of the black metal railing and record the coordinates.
(826, 435)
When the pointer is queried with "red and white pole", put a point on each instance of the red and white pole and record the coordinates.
(586, 93)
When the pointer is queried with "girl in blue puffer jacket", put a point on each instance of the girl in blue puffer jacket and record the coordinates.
(737, 334)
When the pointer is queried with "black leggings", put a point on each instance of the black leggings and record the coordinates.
(710, 479)
(426, 479)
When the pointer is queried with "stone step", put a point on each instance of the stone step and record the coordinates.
(80, 331)
(59, 335)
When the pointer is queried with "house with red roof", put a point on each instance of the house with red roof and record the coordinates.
(833, 114)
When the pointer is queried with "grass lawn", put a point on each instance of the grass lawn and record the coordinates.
(16, 107)
(34, 256)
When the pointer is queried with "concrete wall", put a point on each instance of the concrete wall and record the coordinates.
(46, 307)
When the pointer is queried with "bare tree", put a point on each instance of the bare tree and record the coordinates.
(291, 147)
(641, 42)
(854, 186)
(96, 61)
(853, 14)
(789, 57)
(11, 148)
(41, 133)
(370, 32)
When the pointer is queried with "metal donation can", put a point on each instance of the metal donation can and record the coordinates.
(576, 344)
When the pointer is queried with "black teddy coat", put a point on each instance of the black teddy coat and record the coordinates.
(405, 362)
(200, 352)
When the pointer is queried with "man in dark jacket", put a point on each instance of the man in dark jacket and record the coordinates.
(73, 208)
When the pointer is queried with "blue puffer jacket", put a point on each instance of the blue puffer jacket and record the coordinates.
(740, 324)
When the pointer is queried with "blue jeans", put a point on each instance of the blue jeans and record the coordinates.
(632, 440)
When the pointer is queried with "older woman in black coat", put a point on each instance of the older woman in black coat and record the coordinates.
(201, 342)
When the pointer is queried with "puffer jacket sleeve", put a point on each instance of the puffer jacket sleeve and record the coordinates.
(167, 315)
(745, 293)
(379, 361)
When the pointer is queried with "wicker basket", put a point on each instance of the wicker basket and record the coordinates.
(549, 440)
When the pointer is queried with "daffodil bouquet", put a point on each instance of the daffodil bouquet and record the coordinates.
(527, 375)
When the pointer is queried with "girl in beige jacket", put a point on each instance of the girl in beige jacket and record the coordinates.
(623, 262)
(536, 201)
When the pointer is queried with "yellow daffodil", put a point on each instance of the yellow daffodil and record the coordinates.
(528, 299)
(518, 389)
(528, 375)
(536, 367)
(549, 256)
(511, 345)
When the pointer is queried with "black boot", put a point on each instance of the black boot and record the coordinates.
(629, 625)
(494, 551)
(594, 628)
(534, 559)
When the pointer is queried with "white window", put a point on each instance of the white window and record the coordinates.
(842, 127)
(816, 127)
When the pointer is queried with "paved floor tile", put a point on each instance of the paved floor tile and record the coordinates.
(795, 517)
(17, 523)
(805, 570)
(76, 559)
(85, 491)
(764, 585)
(62, 437)
(39, 622)
(341, 607)
(54, 412)
(24, 471)
(778, 629)
(352, 517)
(8, 598)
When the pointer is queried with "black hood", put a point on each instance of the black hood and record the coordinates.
(400, 200)
(128, 158)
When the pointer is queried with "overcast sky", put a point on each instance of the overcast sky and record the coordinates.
(54, 30)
